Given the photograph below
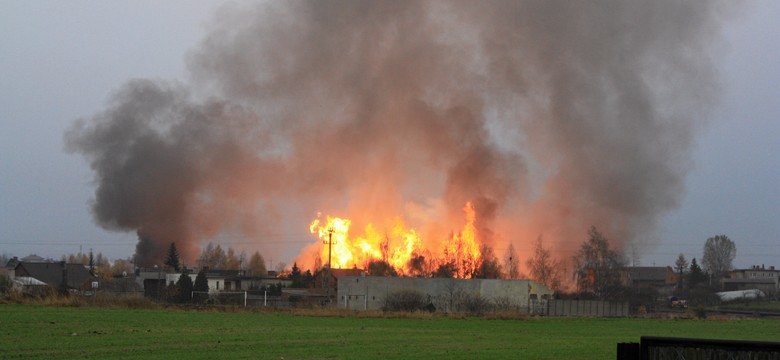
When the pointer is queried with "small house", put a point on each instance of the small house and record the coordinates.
(58, 275)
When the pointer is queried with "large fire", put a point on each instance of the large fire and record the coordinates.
(399, 246)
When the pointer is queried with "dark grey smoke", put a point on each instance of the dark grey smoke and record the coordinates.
(551, 116)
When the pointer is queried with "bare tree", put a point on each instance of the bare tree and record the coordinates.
(212, 256)
(317, 260)
(232, 262)
(121, 267)
(598, 266)
(719, 253)
(257, 265)
(543, 268)
(80, 258)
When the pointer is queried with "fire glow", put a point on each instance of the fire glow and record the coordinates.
(399, 246)
(422, 106)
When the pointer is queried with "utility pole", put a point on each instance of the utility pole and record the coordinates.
(330, 272)
(330, 244)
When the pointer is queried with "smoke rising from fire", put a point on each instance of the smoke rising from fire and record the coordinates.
(549, 116)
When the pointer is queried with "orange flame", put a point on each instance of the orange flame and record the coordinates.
(463, 250)
(397, 245)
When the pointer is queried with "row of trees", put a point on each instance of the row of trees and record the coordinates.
(424, 265)
(100, 265)
(215, 257)
(597, 265)
(596, 261)
(689, 276)
(719, 254)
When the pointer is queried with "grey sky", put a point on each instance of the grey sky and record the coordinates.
(60, 61)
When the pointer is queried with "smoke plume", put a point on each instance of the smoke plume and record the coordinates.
(550, 116)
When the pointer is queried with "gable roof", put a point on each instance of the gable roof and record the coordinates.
(33, 258)
(11, 264)
(52, 273)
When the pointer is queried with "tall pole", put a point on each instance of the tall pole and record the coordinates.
(330, 244)
(330, 273)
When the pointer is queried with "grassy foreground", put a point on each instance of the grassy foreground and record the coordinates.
(29, 331)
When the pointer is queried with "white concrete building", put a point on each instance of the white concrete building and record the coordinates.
(370, 292)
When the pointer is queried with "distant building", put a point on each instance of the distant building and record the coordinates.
(58, 275)
(33, 258)
(152, 280)
(240, 283)
(325, 279)
(659, 277)
(371, 292)
(756, 277)
(11, 264)
(155, 280)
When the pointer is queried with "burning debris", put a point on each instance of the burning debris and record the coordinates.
(545, 117)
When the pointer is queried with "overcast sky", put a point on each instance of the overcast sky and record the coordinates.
(60, 61)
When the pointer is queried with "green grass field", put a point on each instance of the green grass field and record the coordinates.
(90, 332)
